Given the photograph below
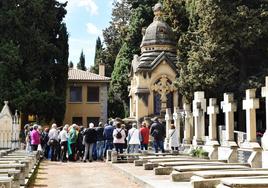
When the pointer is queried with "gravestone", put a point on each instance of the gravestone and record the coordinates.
(177, 120)
(212, 144)
(168, 118)
(228, 146)
(199, 109)
(264, 93)
(250, 105)
(188, 124)
(5, 127)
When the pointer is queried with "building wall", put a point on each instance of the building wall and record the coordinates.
(138, 108)
(86, 109)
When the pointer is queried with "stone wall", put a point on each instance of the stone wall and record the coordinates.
(103, 103)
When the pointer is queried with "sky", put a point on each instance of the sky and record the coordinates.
(85, 21)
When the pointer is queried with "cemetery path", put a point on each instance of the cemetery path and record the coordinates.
(82, 175)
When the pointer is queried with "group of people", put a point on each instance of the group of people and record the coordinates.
(91, 142)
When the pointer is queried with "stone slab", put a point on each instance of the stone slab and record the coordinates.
(248, 183)
(184, 163)
(208, 167)
(231, 173)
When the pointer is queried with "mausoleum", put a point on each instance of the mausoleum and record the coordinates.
(153, 72)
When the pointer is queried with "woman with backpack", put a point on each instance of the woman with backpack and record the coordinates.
(119, 135)
(173, 138)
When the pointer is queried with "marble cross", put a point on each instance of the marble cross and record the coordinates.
(264, 93)
(188, 129)
(213, 110)
(199, 109)
(250, 105)
(168, 118)
(177, 119)
(229, 107)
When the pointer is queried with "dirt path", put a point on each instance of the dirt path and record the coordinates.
(80, 175)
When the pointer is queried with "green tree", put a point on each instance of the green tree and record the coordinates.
(141, 16)
(34, 57)
(82, 62)
(71, 64)
(98, 56)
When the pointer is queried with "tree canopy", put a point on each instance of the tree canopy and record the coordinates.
(34, 57)
(82, 62)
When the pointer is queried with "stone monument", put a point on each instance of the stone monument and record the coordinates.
(199, 109)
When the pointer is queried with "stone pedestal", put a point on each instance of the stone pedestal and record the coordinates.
(168, 118)
(199, 109)
(188, 124)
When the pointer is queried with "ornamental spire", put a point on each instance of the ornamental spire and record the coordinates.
(158, 11)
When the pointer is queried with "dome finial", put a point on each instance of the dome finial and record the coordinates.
(158, 11)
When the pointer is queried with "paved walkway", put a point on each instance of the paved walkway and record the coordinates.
(80, 175)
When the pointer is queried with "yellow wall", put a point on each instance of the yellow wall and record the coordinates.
(83, 109)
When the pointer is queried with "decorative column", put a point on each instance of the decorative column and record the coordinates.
(188, 124)
(229, 147)
(212, 144)
(199, 109)
(177, 120)
(168, 118)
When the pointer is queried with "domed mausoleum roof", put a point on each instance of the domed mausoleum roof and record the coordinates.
(158, 32)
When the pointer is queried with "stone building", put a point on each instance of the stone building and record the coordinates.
(87, 96)
(153, 72)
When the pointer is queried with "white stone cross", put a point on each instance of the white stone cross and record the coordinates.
(168, 118)
(229, 107)
(188, 129)
(177, 119)
(250, 105)
(199, 109)
(264, 93)
(213, 110)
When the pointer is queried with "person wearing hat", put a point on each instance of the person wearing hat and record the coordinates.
(157, 131)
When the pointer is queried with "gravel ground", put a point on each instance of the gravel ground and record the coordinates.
(80, 175)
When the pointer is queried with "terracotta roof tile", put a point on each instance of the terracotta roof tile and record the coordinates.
(76, 74)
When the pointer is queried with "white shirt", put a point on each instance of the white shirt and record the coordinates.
(63, 136)
(123, 133)
(134, 136)
(53, 134)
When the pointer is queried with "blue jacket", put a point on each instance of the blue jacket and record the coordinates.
(108, 132)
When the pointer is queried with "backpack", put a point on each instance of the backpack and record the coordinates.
(156, 134)
(118, 134)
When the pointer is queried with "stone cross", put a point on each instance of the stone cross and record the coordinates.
(213, 110)
(168, 118)
(229, 107)
(264, 93)
(187, 124)
(250, 105)
(177, 118)
(163, 87)
(199, 109)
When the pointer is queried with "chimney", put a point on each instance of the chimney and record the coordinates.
(101, 69)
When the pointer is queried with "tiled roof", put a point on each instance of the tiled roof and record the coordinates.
(80, 75)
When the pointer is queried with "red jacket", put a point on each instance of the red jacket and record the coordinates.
(145, 132)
